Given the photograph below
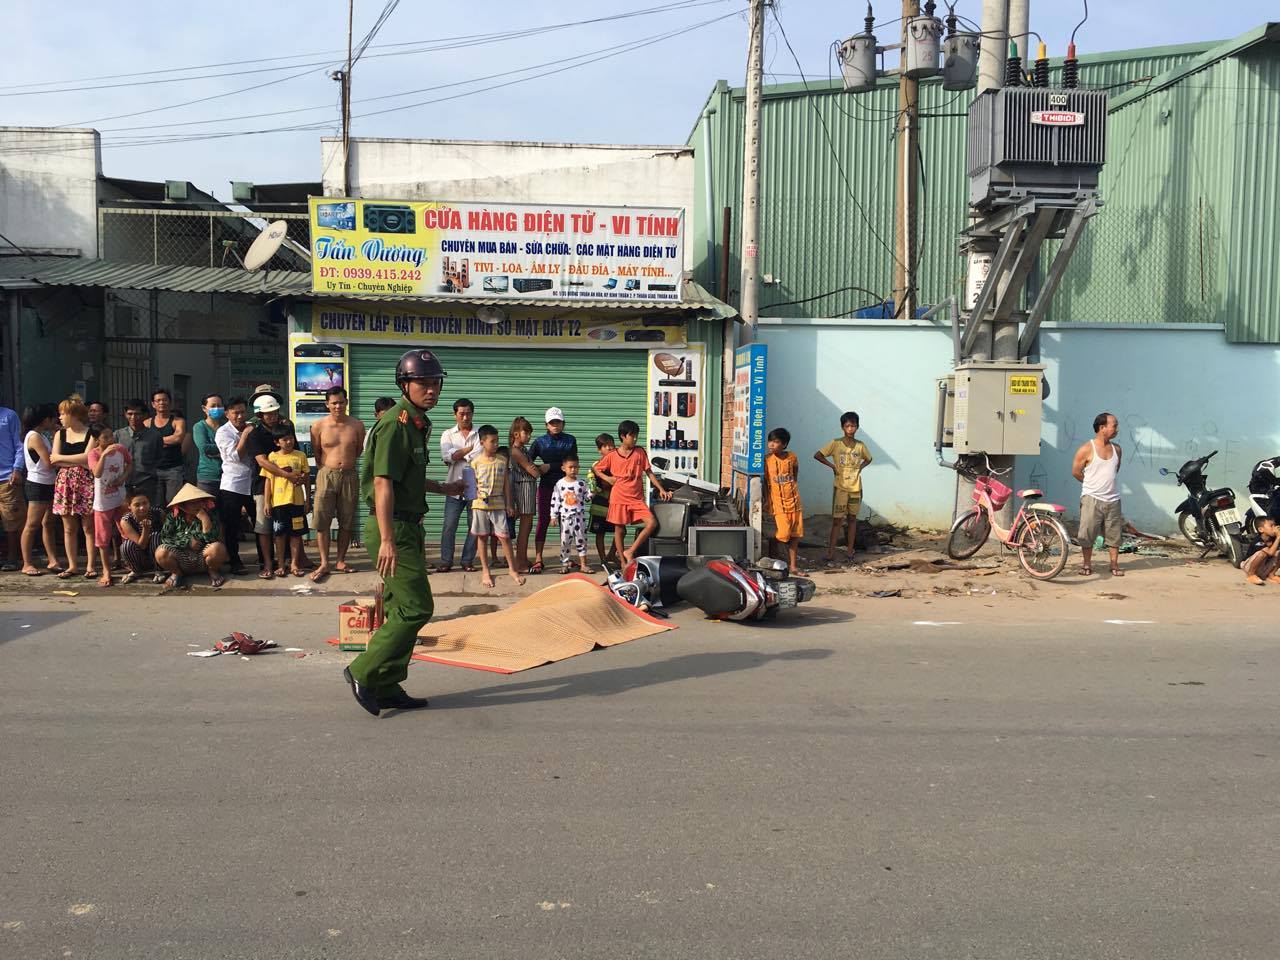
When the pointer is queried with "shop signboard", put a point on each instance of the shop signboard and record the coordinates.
(675, 399)
(408, 324)
(247, 370)
(750, 369)
(502, 251)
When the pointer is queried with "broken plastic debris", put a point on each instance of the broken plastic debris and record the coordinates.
(66, 593)
(204, 653)
(293, 649)
(302, 589)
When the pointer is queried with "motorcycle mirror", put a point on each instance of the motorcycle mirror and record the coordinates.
(768, 563)
(1164, 471)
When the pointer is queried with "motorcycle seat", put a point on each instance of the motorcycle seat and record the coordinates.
(1047, 507)
(1030, 494)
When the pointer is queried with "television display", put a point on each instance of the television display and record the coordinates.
(673, 519)
(720, 541)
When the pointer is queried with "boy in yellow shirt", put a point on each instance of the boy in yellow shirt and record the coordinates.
(288, 500)
(846, 456)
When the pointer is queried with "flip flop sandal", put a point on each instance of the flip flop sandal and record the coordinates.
(38, 573)
(537, 567)
(469, 568)
(8, 568)
(266, 575)
(128, 578)
(216, 582)
(444, 568)
(1086, 571)
(1117, 572)
(67, 574)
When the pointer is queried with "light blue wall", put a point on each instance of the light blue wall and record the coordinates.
(1178, 392)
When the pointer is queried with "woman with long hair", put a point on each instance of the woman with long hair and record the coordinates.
(37, 423)
(73, 488)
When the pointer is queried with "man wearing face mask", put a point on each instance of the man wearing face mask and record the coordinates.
(393, 481)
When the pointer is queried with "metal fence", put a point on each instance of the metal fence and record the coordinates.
(194, 238)
(1143, 266)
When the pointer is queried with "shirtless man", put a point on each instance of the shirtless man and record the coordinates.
(336, 442)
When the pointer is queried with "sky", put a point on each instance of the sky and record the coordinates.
(133, 68)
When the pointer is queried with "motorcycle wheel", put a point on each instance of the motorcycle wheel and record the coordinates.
(968, 534)
(1231, 548)
(1043, 548)
(1190, 529)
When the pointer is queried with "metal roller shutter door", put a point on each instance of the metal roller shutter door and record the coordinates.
(595, 388)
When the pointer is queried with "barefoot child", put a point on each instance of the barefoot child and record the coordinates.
(569, 511)
(289, 500)
(109, 463)
(493, 503)
(601, 484)
(846, 456)
(524, 489)
(782, 494)
(1261, 566)
(629, 465)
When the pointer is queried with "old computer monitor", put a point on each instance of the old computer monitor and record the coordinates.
(720, 541)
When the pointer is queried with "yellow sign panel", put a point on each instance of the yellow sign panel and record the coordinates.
(1019, 384)
(344, 322)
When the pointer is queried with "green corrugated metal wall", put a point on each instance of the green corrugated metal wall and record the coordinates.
(814, 239)
(595, 388)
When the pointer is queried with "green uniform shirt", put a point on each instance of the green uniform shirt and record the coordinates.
(397, 449)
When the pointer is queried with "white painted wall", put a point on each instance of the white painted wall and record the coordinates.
(479, 171)
(49, 187)
(1179, 392)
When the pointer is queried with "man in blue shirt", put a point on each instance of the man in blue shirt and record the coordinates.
(13, 506)
(552, 447)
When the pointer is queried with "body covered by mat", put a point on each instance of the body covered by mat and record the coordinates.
(572, 616)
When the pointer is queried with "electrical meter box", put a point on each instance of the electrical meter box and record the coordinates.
(945, 430)
(997, 408)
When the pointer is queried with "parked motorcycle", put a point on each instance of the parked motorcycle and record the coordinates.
(1209, 518)
(1263, 500)
(720, 587)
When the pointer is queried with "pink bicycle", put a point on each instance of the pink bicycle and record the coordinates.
(1037, 533)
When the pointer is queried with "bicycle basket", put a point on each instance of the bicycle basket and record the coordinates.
(994, 489)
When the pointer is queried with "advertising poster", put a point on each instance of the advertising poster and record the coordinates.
(313, 368)
(749, 372)
(247, 370)
(380, 323)
(675, 400)
(499, 251)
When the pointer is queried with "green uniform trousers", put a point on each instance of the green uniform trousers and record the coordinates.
(406, 600)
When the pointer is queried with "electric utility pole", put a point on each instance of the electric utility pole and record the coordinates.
(908, 133)
(750, 286)
(346, 105)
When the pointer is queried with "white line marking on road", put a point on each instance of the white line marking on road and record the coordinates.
(1121, 623)
(936, 623)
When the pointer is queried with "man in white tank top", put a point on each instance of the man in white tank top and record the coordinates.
(1096, 466)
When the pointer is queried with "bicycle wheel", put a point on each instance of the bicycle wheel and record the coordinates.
(968, 534)
(1043, 548)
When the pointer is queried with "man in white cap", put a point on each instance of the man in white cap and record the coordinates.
(256, 450)
(191, 538)
(552, 448)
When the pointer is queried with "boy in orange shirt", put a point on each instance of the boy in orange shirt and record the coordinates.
(782, 494)
(628, 465)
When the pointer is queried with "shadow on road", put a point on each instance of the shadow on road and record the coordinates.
(19, 625)
(607, 683)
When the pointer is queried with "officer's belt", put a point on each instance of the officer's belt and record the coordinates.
(407, 517)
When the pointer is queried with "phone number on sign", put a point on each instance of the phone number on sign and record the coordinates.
(368, 273)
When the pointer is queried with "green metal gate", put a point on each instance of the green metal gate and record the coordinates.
(595, 388)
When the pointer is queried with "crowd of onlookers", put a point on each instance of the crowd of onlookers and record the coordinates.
(164, 496)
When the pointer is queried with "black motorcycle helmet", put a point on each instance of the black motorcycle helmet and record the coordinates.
(418, 365)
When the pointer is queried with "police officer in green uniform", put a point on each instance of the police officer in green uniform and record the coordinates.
(394, 483)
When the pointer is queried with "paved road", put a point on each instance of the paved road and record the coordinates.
(842, 788)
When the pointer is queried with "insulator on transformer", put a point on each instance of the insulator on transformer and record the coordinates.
(1040, 78)
(1013, 67)
(1071, 69)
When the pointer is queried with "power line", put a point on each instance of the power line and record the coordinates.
(585, 59)
(832, 147)
(424, 46)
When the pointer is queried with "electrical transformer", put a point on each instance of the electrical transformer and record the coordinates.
(858, 63)
(994, 408)
(1035, 143)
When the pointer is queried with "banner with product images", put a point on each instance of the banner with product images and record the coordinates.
(425, 326)
(494, 251)
(313, 368)
(675, 400)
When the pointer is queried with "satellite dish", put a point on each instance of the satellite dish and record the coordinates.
(491, 315)
(265, 247)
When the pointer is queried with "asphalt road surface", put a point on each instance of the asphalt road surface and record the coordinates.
(828, 786)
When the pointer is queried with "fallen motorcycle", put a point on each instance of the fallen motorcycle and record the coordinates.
(722, 588)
